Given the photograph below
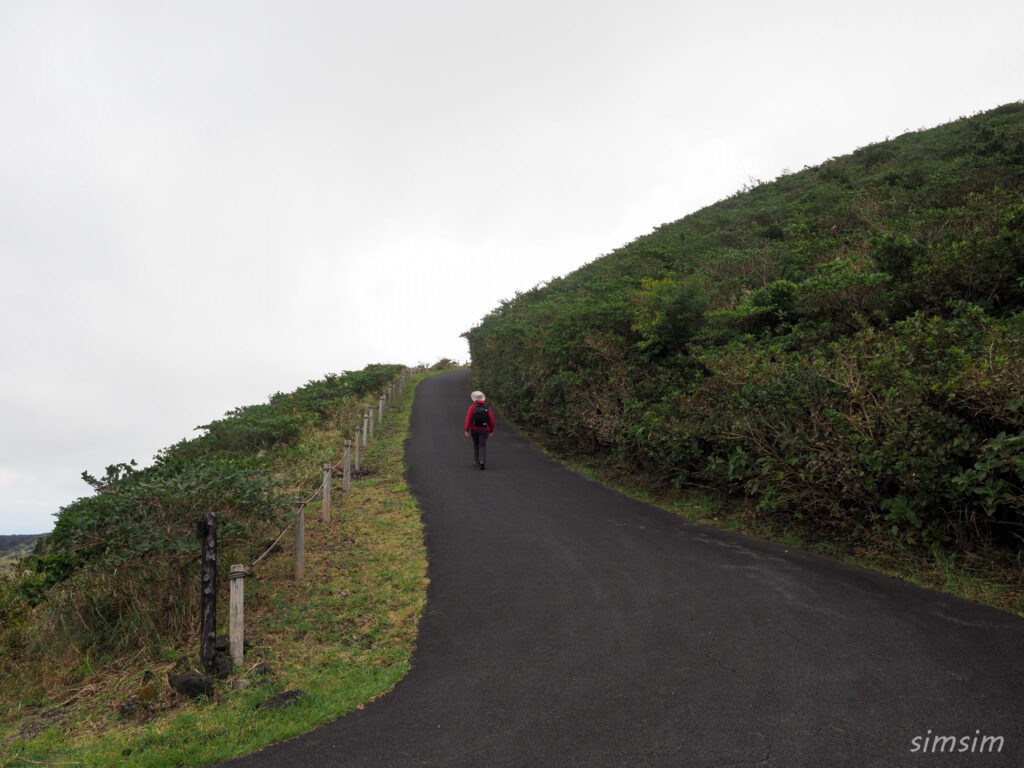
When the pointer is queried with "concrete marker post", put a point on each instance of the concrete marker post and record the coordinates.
(300, 540)
(326, 512)
(236, 578)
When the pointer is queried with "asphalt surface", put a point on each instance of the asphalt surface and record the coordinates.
(567, 625)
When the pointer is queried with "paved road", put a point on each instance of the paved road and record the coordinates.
(569, 626)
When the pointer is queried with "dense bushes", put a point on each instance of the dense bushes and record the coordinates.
(843, 345)
(915, 430)
(119, 571)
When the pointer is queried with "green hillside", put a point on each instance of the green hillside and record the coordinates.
(15, 547)
(104, 611)
(841, 347)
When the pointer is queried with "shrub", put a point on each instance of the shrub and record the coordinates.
(843, 345)
(119, 570)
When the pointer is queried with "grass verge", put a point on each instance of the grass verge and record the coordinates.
(342, 636)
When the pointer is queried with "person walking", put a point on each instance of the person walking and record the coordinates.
(479, 426)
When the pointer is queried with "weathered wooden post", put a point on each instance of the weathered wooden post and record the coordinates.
(365, 428)
(357, 449)
(369, 415)
(236, 617)
(346, 477)
(380, 413)
(207, 532)
(326, 514)
(300, 540)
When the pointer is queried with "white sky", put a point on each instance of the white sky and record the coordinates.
(203, 202)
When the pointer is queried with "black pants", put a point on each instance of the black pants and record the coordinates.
(479, 445)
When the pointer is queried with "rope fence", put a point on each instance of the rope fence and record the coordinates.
(238, 572)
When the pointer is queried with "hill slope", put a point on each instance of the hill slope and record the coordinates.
(105, 611)
(15, 547)
(844, 346)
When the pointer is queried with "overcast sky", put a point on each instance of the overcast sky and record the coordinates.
(203, 203)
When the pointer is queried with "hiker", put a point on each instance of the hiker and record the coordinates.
(479, 424)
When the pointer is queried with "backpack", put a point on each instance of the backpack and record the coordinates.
(481, 415)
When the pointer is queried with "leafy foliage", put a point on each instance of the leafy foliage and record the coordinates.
(843, 345)
(119, 571)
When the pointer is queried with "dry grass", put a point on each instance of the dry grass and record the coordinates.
(343, 635)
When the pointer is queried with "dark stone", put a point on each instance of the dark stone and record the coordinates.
(136, 707)
(223, 664)
(191, 684)
(129, 707)
(263, 670)
(281, 700)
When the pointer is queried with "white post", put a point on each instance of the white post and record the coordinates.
(346, 478)
(357, 449)
(381, 417)
(326, 516)
(236, 578)
(366, 430)
(300, 541)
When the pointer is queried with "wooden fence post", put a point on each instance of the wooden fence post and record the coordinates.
(326, 513)
(207, 531)
(365, 430)
(346, 477)
(300, 540)
(236, 579)
(357, 449)
(370, 417)
(380, 413)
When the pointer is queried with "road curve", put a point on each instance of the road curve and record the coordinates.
(567, 625)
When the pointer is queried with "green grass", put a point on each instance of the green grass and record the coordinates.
(344, 636)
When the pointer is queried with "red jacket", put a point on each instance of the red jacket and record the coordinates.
(469, 419)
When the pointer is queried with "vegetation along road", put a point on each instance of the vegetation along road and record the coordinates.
(567, 625)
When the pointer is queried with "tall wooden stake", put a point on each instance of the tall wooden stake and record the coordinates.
(326, 508)
(346, 474)
(207, 531)
(300, 540)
